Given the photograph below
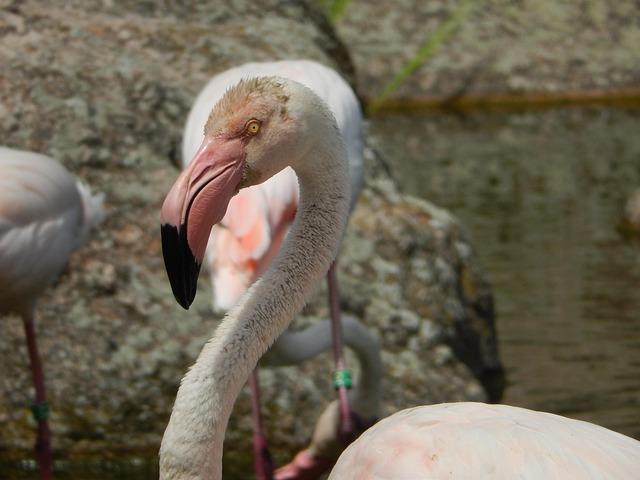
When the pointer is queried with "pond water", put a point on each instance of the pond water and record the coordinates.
(541, 196)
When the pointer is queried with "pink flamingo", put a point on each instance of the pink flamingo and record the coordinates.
(243, 244)
(258, 128)
(45, 214)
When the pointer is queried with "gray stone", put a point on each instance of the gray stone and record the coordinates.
(503, 46)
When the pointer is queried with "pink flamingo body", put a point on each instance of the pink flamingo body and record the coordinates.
(476, 440)
(457, 441)
(249, 236)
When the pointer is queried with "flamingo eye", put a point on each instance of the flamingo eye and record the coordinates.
(252, 127)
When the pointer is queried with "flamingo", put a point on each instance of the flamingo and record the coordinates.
(259, 127)
(45, 214)
(243, 244)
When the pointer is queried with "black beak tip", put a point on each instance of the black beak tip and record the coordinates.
(182, 267)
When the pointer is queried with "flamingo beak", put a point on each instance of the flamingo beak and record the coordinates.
(197, 201)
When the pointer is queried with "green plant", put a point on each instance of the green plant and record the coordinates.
(439, 37)
(335, 8)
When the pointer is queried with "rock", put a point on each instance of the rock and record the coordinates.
(105, 87)
(527, 46)
(435, 289)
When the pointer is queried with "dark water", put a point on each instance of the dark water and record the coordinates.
(541, 196)
(131, 469)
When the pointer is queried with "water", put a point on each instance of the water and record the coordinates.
(541, 196)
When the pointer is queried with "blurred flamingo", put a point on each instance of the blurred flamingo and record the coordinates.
(45, 214)
(247, 139)
(364, 400)
(243, 245)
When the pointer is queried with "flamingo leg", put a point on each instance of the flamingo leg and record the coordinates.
(262, 461)
(346, 429)
(40, 408)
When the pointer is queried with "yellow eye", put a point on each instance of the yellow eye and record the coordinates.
(253, 127)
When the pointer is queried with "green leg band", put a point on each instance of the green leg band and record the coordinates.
(342, 378)
(40, 411)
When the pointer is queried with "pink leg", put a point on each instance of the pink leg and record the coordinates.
(342, 379)
(306, 466)
(262, 461)
(40, 408)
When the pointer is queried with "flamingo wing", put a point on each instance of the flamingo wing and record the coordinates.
(236, 245)
(250, 234)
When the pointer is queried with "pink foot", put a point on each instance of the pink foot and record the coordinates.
(303, 467)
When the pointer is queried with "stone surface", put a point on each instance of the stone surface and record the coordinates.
(503, 46)
(104, 87)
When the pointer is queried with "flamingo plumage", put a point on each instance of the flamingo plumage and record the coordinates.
(45, 214)
(244, 243)
(259, 127)
(476, 440)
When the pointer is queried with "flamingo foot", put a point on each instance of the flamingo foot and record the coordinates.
(306, 466)
(303, 467)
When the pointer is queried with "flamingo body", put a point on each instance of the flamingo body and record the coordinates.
(475, 440)
(45, 214)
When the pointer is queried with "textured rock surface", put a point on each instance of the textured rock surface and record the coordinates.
(105, 87)
(503, 46)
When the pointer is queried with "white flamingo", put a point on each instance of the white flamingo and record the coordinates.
(258, 128)
(244, 243)
(45, 214)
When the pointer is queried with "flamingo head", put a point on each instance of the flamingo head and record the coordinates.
(258, 127)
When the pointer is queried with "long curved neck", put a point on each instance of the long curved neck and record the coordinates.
(192, 444)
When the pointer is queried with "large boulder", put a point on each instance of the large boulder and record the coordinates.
(530, 46)
(105, 87)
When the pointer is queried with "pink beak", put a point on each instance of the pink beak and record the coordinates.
(197, 201)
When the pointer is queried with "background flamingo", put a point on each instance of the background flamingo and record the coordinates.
(242, 246)
(256, 129)
(45, 214)
(326, 442)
